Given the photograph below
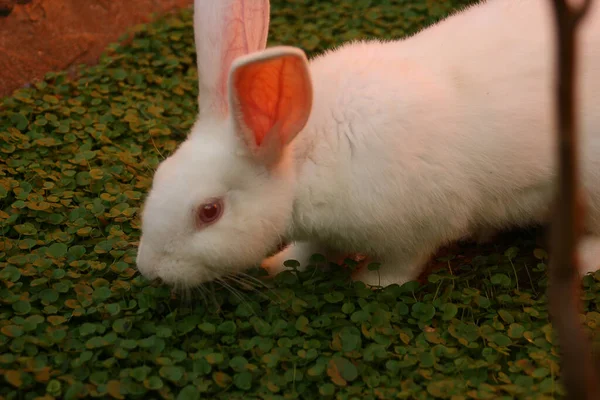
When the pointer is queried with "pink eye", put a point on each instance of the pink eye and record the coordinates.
(210, 212)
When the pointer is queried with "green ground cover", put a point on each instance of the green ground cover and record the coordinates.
(76, 320)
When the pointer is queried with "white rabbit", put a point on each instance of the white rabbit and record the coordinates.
(390, 149)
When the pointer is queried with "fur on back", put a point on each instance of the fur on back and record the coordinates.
(447, 132)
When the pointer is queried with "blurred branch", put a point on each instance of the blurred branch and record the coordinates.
(577, 364)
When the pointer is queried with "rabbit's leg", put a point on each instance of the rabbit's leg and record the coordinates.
(589, 254)
(399, 271)
(589, 246)
(299, 251)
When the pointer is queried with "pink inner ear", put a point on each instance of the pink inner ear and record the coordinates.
(274, 97)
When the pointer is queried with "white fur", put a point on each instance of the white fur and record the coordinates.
(410, 144)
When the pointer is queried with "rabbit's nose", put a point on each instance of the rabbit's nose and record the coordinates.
(145, 267)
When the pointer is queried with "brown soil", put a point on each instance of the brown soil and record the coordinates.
(39, 36)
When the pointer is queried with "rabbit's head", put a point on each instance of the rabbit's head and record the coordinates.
(221, 202)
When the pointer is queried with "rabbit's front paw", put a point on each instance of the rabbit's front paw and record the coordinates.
(299, 251)
(387, 274)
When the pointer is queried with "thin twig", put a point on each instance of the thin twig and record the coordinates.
(577, 365)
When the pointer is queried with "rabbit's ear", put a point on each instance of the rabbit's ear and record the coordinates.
(223, 31)
(271, 99)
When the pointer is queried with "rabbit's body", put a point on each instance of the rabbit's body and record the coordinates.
(462, 139)
(408, 145)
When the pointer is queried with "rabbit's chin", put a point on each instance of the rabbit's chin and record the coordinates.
(282, 245)
(188, 272)
(192, 276)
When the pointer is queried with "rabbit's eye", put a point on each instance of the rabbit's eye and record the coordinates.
(210, 212)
